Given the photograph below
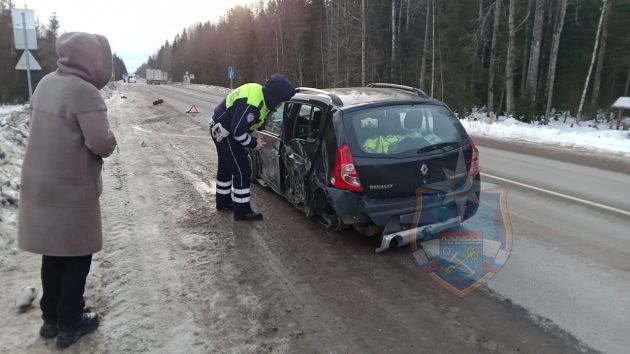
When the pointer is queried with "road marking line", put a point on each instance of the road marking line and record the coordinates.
(575, 199)
(141, 129)
(202, 188)
(171, 134)
(185, 136)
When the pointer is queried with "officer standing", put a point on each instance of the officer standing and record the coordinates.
(244, 110)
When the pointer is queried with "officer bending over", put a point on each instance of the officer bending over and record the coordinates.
(243, 111)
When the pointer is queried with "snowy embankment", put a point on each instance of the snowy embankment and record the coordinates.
(210, 88)
(588, 135)
(14, 122)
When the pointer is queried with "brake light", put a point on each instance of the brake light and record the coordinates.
(345, 174)
(474, 161)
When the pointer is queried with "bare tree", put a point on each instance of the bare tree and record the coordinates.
(363, 41)
(407, 11)
(555, 45)
(393, 54)
(590, 68)
(423, 62)
(433, 45)
(509, 62)
(625, 90)
(534, 54)
(600, 61)
(493, 56)
(527, 43)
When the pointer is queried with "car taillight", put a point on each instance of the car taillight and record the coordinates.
(345, 174)
(474, 161)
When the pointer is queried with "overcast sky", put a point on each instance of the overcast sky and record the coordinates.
(135, 28)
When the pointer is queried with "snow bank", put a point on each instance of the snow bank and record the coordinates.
(589, 135)
(8, 109)
(14, 125)
(210, 88)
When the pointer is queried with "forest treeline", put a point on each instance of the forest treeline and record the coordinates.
(522, 57)
(13, 83)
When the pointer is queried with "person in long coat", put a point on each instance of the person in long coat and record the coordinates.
(59, 211)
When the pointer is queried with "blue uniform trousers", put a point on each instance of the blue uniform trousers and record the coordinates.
(233, 175)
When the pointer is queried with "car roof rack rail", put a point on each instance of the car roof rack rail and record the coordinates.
(335, 99)
(418, 91)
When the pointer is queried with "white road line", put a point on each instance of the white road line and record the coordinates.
(569, 197)
(141, 129)
(206, 137)
(202, 188)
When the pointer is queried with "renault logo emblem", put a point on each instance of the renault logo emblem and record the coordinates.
(424, 169)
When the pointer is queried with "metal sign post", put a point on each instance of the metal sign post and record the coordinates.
(28, 62)
(24, 34)
(231, 74)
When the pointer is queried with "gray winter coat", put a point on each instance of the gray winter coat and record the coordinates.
(59, 211)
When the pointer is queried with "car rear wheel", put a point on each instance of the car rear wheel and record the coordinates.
(324, 213)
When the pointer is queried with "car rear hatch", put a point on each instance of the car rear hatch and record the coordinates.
(397, 149)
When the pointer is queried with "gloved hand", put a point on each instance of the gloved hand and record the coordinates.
(218, 132)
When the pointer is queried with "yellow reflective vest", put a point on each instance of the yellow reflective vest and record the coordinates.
(254, 94)
(381, 144)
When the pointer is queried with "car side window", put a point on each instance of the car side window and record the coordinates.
(273, 123)
(306, 121)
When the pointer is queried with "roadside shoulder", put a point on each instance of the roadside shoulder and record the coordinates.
(603, 160)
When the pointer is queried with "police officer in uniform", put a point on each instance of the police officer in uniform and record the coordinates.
(243, 111)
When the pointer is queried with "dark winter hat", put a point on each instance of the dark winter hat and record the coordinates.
(277, 89)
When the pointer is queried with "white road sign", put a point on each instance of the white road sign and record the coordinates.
(32, 63)
(24, 19)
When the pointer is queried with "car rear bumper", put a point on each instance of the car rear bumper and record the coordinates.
(395, 214)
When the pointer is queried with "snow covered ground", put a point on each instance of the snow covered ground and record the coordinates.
(7, 109)
(14, 122)
(589, 135)
(208, 88)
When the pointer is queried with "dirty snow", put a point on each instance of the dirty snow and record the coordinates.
(8, 109)
(208, 88)
(14, 121)
(588, 135)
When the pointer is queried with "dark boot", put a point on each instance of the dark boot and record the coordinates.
(222, 207)
(70, 335)
(251, 216)
(48, 330)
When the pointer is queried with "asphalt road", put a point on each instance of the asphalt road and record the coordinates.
(570, 263)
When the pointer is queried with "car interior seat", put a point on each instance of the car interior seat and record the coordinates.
(390, 123)
(413, 119)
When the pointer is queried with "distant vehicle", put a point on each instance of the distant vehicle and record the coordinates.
(156, 77)
(131, 79)
(358, 156)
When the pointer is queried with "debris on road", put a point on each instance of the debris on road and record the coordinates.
(158, 102)
(25, 298)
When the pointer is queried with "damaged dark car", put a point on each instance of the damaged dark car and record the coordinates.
(384, 159)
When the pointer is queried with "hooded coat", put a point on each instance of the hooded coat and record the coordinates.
(59, 211)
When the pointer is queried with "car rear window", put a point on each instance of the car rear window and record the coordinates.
(404, 129)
